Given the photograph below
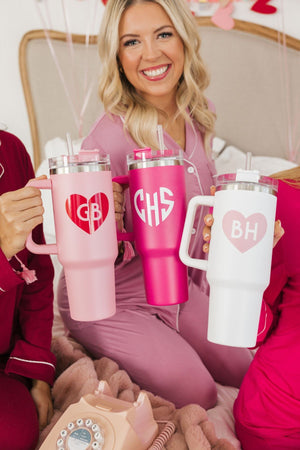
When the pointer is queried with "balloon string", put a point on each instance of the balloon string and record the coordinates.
(72, 55)
(48, 14)
(87, 87)
(46, 31)
(286, 88)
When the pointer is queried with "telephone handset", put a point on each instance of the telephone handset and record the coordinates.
(100, 421)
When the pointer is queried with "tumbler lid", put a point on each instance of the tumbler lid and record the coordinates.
(84, 161)
(146, 157)
(249, 180)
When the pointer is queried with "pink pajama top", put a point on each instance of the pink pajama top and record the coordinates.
(268, 404)
(108, 135)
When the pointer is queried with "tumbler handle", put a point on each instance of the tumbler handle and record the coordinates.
(40, 249)
(123, 236)
(198, 200)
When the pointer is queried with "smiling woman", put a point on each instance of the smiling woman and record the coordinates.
(174, 31)
(152, 74)
(151, 54)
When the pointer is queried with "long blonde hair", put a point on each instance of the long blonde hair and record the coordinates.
(119, 96)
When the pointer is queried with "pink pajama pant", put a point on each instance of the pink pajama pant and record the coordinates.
(19, 427)
(181, 366)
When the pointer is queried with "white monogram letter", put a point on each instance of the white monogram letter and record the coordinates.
(248, 231)
(154, 208)
(96, 213)
(139, 194)
(85, 211)
(236, 230)
(164, 201)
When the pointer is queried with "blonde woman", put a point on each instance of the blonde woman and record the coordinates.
(152, 74)
(267, 410)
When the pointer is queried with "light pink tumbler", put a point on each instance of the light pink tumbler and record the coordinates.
(158, 202)
(86, 241)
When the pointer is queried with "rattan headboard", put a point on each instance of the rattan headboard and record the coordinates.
(254, 85)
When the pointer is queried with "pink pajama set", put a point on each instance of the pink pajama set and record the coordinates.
(164, 349)
(26, 316)
(267, 410)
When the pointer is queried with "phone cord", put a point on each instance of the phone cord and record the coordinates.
(163, 437)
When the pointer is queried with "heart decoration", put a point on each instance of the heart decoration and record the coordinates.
(244, 232)
(222, 17)
(90, 214)
(262, 6)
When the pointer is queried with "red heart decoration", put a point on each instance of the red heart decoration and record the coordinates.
(261, 6)
(90, 214)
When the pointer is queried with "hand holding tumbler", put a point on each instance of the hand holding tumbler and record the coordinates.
(239, 259)
(158, 203)
(86, 240)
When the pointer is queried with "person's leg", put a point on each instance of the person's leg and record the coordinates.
(19, 427)
(227, 365)
(153, 354)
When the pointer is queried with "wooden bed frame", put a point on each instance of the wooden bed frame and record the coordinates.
(254, 85)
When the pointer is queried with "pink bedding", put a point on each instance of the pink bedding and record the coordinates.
(196, 429)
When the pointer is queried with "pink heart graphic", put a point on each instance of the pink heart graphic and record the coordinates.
(244, 232)
(90, 214)
(222, 17)
(261, 6)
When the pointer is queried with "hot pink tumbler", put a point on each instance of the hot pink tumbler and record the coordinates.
(158, 202)
(86, 240)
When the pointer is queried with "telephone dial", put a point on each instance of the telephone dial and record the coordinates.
(100, 421)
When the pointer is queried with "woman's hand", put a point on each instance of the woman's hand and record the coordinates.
(119, 205)
(20, 212)
(41, 395)
(278, 232)
(209, 220)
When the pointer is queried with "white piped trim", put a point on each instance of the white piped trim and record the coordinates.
(2, 290)
(265, 324)
(34, 362)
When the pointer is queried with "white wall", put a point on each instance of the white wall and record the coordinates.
(19, 16)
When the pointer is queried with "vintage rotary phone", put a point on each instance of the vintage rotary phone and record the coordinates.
(100, 421)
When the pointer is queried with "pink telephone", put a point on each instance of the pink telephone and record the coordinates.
(103, 422)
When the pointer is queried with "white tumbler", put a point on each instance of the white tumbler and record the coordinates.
(239, 260)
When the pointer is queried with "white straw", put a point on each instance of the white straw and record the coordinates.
(69, 145)
(160, 137)
(248, 160)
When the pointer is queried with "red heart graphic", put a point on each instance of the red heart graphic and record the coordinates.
(90, 214)
(261, 6)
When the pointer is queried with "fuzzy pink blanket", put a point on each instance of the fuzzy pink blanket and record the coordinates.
(78, 374)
